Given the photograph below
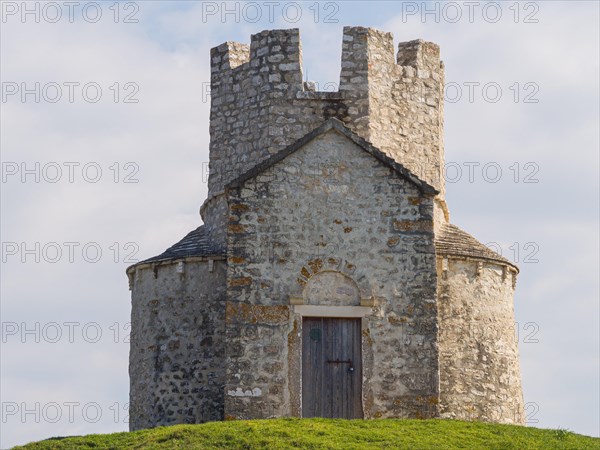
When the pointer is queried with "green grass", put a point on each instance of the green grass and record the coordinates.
(330, 434)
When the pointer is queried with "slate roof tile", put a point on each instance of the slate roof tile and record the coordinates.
(453, 241)
(195, 243)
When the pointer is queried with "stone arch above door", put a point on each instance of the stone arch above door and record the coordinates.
(331, 282)
(331, 288)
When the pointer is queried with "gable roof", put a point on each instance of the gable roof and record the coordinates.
(337, 125)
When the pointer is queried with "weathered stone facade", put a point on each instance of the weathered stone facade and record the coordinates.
(478, 353)
(177, 342)
(324, 204)
(364, 219)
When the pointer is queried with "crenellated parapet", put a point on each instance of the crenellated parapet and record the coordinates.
(260, 103)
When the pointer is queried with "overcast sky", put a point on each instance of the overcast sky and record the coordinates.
(104, 163)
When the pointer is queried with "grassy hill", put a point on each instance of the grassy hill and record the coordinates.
(330, 434)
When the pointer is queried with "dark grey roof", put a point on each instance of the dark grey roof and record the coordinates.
(195, 243)
(338, 125)
(453, 241)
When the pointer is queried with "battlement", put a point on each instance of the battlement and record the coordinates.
(419, 54)
(270, 52)
(363, 50)
(260, 103)
(228, 55)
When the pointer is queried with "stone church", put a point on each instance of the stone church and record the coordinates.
(326, 279)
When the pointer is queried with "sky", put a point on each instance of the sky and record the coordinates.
(104, 151)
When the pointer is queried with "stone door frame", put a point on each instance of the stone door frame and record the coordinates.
(365, 307)
(298, 312)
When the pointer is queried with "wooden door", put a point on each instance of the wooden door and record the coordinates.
(331, 368)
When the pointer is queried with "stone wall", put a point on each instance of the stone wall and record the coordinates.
(295, 220)
(245, 83)
(260, 104)
(177, 347)
(214, 215)
(479, 360)
(399, 101)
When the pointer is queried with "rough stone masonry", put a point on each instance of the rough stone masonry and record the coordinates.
(325, 210)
